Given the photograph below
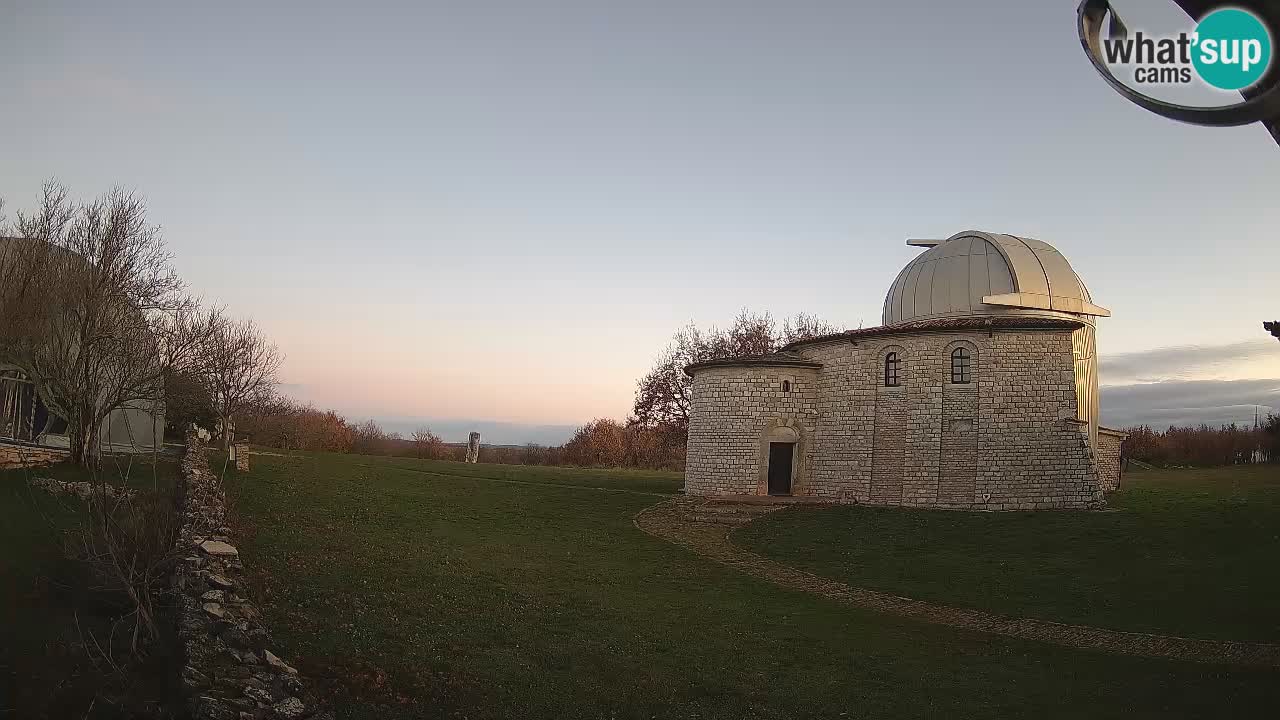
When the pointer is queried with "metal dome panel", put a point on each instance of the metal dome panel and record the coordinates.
(978, 273)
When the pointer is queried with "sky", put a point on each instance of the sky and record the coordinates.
(448, 213)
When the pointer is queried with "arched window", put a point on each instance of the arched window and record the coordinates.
(961, 366)
(891, 364)
(786, 386)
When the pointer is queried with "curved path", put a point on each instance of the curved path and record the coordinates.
(671, 521)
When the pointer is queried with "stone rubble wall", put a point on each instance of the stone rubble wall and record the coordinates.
(1006, 441)
(230, 671)
(82, 490)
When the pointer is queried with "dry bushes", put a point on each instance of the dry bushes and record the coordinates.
(1204, 446)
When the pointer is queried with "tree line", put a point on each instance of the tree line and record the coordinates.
(1205, 446)
(281, 422)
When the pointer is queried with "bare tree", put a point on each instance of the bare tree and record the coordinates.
(806, 327)
(90, 312)
(663, 395)
(370, 438)
(427, 444)
(241, 365)
(85, 287)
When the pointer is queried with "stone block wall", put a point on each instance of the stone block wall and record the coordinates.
(1032, 453)
(733, 411)
(1002, 442)
(889, 447)
(958, 446)
(1110, 456)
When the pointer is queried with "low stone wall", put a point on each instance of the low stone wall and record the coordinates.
(82, 490)
(230, 672)
(17, 455)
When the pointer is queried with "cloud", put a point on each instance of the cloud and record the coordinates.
(1236, 361)
(1216, 402)
(1191, 384)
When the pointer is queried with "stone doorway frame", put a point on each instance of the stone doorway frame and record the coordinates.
(782, 430)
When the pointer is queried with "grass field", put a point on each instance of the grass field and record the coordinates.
(423, 589)
(47, 611)
(1185, 552)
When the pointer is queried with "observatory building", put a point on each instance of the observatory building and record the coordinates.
(979, 392)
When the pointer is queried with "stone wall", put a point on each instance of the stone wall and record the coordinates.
(734, 411)
(1110, 457)
(1001, 442)
(230, 672)
(16, 456)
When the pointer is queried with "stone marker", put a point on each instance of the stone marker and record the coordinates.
(240, 454)
(473, 447)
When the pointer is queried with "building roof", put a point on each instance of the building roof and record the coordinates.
(773, 359)
(1002, 322)
(786, 358)
(983, 274)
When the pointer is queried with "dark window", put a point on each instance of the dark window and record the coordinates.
(891, 370)
(961, 366)
(786, 386)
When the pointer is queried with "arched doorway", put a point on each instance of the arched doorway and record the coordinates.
(782, 459)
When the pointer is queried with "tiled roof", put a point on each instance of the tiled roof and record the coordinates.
(959, 323)
(773, 359)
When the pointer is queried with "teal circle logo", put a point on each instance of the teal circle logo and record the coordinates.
(1232, 49)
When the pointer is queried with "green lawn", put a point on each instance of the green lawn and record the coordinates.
(430, 589)
(44, 672)
(1184, 552)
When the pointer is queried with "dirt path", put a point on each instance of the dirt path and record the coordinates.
(671, 521)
